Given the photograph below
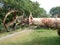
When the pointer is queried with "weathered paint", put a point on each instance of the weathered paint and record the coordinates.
(48, 22)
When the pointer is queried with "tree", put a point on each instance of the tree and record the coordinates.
(26, 5)
(55, 10)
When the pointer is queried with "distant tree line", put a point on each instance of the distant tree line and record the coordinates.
(55, 11)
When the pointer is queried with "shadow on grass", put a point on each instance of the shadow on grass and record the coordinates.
(44, 41)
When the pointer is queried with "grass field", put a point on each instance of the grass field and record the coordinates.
(35, 37)
(11, 32)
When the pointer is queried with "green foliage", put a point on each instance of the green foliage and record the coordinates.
(2, 29)
(55, 10)
(26, 6)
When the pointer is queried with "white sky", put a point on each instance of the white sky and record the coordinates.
(48, 4)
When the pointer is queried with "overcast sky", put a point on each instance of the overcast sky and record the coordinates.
(48, 4)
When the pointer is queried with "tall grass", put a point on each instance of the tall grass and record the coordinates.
(37, 37)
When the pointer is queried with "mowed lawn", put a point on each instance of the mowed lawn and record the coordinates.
(34, 37)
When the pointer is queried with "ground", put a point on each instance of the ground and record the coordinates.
(33, 37)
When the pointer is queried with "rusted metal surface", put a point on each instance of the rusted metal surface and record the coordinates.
(47, 22)
(6, 25)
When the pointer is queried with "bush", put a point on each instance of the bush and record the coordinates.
(2, 29)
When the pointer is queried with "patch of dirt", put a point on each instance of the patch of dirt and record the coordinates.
(25, 31)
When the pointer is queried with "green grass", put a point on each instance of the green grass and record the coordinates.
(36, 37)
